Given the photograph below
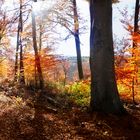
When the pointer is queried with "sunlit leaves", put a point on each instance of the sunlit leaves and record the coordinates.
(127, 70)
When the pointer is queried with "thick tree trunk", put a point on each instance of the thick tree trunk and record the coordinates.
(37, 57)
(77, 41)
(104, 92)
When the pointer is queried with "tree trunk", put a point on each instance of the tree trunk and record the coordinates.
(40, 38)
(104, 92)
(19, 44)
(136, 28)
(16, 55)
(136, 18)
(77, 41)
(22, 79)
(37, 57)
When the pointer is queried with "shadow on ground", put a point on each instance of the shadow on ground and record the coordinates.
(50, 118)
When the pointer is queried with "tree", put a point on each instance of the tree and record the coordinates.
(19, 46)
(16, 55)
(104, 92)
(5, 22)
(65, 66)
(63, 17)
(136, 29)
(77, 41)
(37, 57)
(130, 69)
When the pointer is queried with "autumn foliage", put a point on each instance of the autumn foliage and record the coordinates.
(128, 61)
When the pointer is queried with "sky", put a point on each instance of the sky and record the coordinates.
(68, 47)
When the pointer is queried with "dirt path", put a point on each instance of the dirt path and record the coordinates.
(43, 121)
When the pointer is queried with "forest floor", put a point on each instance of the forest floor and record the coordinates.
(54, 117)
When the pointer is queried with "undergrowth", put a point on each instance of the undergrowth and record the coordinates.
(78, 92)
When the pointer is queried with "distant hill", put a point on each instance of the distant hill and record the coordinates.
(73, 71)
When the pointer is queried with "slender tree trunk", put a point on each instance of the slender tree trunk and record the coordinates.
(104, 92)
(22, 78)
(19, 44)
(65, 75)
(36, 79)
(77, 41)
(16, 55)
(136, 28)
(40, 37)
(37, 57)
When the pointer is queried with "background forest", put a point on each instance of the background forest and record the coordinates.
(48, 95)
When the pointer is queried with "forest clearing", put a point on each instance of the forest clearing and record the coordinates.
(45, 95)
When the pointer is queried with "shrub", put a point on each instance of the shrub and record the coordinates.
(79, 92)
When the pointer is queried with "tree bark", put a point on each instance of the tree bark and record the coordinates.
(16, 55)
(104, 92)
(136, 18)
(37, 57)
(40, 38)
(19, 44)
(136, 28)
(22, 78)
(77, 41)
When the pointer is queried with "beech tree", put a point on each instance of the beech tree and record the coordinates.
(104, 92)
(77, 41)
